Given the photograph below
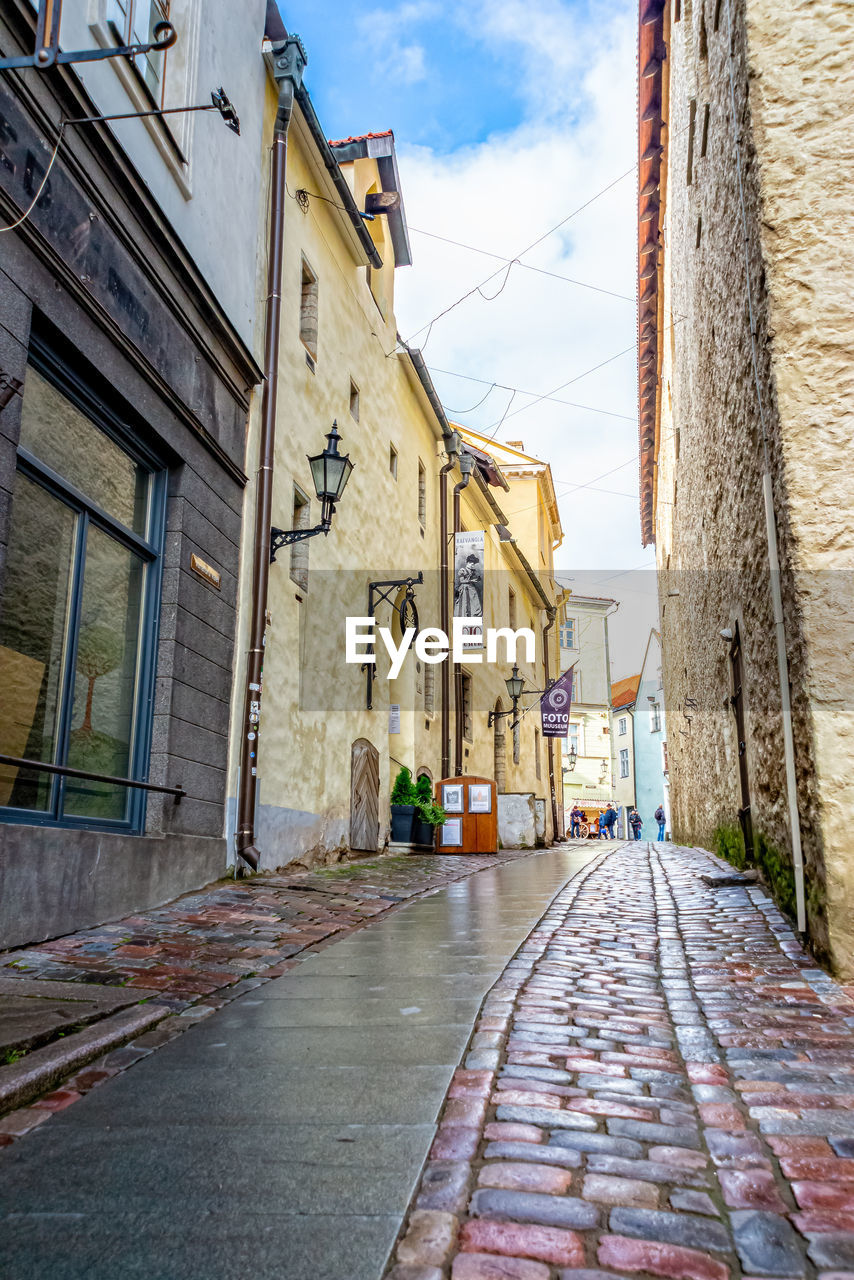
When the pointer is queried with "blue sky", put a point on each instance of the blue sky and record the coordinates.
(413, 67)
(509, 116)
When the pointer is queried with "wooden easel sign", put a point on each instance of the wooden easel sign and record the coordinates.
(472, 822)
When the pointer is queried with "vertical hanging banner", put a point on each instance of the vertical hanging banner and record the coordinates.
(555, 706)
(468, 585)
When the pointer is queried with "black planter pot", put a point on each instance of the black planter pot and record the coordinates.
(423, 832)
(402, 822)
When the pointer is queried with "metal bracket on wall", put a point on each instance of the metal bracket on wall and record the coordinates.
(47, 52)
(381, 592)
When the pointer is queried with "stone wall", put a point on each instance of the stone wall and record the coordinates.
(714, 442)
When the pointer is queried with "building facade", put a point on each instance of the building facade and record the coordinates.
(129, 357)
(325, 737)
(745, 404)
(623, 699)
(649, 741)
(586, 763)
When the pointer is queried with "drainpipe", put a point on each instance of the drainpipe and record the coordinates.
(552, 614)
(443, 603)
(289, 64)
(466, 464)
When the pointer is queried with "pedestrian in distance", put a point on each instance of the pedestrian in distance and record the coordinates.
(603, 826)
(610, 816)
(575, 823)
(661, 820)
(636, 823)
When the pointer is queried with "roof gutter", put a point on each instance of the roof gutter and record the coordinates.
(337, 177)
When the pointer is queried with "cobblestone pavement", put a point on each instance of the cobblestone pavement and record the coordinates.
(205, 949)
(660, 1084)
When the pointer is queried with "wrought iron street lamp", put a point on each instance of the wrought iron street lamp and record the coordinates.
(514, 685)
(330, 471)
(571, 758)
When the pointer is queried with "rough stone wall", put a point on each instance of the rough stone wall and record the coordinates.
(802, 90)
(710, 524)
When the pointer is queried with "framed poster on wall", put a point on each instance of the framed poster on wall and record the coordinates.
(452, 797)
(452, 833)
(480, 797)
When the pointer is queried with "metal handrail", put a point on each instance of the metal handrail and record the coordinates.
(66, 771)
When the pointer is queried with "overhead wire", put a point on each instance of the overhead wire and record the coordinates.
(545, 235)
(42, 184)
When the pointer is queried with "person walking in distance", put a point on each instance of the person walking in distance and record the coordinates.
(661, 820)
(575, 823)
(636, 823)
(610, 816)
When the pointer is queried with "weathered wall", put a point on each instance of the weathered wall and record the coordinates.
(710, 528)
(802, 90)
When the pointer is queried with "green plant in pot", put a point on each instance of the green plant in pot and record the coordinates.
(429, 815)
(404, 800)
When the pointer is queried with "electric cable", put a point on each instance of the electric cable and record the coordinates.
(42, 184)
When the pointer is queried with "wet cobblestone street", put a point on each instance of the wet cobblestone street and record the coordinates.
(661, 1083)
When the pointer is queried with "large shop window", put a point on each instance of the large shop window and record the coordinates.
(78, 611)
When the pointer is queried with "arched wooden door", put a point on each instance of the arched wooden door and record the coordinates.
(364, 796)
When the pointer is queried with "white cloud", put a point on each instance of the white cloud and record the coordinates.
(385, 30)
(578, 135)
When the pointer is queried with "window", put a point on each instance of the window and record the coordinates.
(511, 608)
(622, 725)
(308, 312)
(354, 401)
(624, 762)
(429, 687)
(133, 22)
(654, 718)
(422, 493)
(567, 634)
(466, 706)
(301, 519)
(537, 753)
(392, 460)
(78, 609)
(574, 739)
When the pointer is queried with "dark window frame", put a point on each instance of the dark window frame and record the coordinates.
(150, 549)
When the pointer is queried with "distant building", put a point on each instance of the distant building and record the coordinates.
(587, 779)
(623, 698)
(649, 728)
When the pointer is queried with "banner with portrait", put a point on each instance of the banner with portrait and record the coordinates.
(468, 585)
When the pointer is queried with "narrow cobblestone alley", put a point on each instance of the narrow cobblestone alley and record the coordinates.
(662, 1084)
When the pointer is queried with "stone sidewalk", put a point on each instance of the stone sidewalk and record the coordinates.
(191, 956)
(660, 1084)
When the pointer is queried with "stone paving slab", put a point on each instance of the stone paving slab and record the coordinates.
(31, 1012)
(202, 950)
(669, 1092)
(238, 1132)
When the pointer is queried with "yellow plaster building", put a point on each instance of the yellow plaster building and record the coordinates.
(322, 759)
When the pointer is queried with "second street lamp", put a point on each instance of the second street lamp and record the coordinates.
(514, 685)
(330, 471)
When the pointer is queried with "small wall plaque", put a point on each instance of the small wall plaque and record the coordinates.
(206, 571)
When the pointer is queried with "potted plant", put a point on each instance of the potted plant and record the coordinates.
(404, 799)
(429, 815)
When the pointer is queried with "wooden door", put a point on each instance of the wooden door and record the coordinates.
(364, 796)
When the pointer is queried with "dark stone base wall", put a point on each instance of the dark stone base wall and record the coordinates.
(54, 881)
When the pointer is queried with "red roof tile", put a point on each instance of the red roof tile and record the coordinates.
(624, 692)
(360, 137)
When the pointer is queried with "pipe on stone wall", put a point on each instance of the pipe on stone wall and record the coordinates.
(289, 61)
(785, 702)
